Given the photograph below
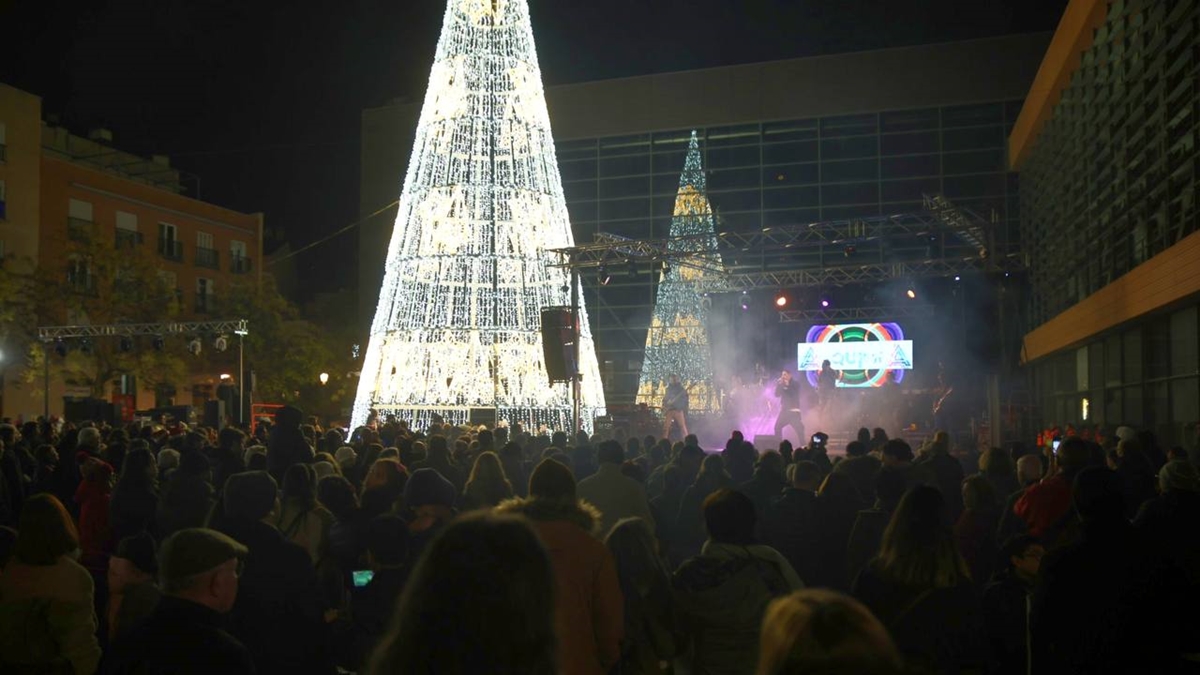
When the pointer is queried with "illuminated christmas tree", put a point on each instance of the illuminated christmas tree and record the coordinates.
(677, 342)
(457, 325)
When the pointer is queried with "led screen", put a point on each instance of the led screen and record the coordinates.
(863, 353)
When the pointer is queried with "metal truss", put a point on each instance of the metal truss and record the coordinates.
(899, 311)
(861, 273)
(965, 222)
(230, 326)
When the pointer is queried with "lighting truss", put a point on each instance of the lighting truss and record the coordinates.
(967, 224)
(901, 311)
(856, 274)
(234, 326)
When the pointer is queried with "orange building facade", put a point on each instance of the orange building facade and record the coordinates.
(89, 193)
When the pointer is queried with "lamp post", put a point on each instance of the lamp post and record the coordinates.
(324, 378)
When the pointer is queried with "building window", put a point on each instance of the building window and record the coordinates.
(80, 226)
(127, 230)
(239, 262)
(79, 276)
(169, 245)
(204, 295)
(206, 254)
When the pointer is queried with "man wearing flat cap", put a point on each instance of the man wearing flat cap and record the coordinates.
(198, 571)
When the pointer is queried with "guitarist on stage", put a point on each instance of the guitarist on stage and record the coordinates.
(675, 406)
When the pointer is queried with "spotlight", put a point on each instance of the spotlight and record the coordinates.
(126, 344)
(221, 343)
(745, 300)
(912, 294)
(159, 343)
(957, 278)
(602, 273)
(85, 346)
(824, 303)
(195, 346)
(781, 300)
(849, 250)
(60, 347)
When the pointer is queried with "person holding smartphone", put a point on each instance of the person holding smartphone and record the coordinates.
(787, 390)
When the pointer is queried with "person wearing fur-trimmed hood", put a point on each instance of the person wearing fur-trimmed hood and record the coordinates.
(589, 606)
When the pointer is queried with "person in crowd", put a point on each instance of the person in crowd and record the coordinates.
(1006, 605)
(8, 541)
(134, 503)
(837, 506)
(346, 458)
(47, 605)
(944, 472)
(513, 459)
(487, 485)
(185, 634)
(482, 600)
(767, 484)
(51, 476)
(428, 505)
(689, 522)
(615, 495)
(13, 483)
(1106, 603)
(372, 605)
(437, 457)
(589, 614)
(167, 460)
(287, 445)
(383, 487)
(688, 461)
(897, 456)
(975, 529)
(996, 466)
(188, 496)
(740, 461)
(1029, 472)
(302, 519)
(823, 631)
(94, 496)
(649, 642)
(817, 452)
(879, 438)
(919, 581)
(870, 524)
(278, 613)
(860, 467)
(1173, 512)
(1136, 472)
(790, 525)
(665, 507)
(1046, 507)
(132, 589)
(228, 457)
(346, 540)
(721, 594)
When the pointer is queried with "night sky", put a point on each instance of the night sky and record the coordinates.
(261, 100)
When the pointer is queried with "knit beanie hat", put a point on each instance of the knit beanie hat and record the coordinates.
(427, 486)
(168, 458)
(345, 453)
(323, 469)
(552, 479)
(1179, 474)
(250, 495)
(139, 549)
(1126, 433)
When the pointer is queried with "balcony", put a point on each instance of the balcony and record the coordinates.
(204, 303)
(208, 257)
(239, 264)
(80, 230)
(128, 238)
(170, 249)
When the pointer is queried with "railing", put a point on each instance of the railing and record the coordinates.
(208, 257)
(170, 249)
(128, 238)
(204, 303)
(79, 229)
(239, 264)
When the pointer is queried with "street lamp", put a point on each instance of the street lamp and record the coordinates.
(324, 378)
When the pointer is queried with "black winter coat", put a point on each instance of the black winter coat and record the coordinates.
(179, 638)
(1005, 605)
(790, 527)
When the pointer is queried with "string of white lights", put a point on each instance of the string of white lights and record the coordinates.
(458, 320)
(677, 342)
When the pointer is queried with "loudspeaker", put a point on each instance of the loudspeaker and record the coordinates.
(87, 410)
(560, 330)
(484, 416)
(214, 414)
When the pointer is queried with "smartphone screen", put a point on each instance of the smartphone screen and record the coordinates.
(1055, 445)
(816, 440)
(362, 577)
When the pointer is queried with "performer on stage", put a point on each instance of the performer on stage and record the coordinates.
(675, 405)
(827, 384)
(788, 392)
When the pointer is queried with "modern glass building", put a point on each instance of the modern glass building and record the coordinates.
(1106, 149)
(784, 143)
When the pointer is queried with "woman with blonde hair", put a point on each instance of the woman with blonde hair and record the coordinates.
(488, 485)
(818, 631)
(919, 582)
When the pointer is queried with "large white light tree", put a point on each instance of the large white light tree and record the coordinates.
(457, 325)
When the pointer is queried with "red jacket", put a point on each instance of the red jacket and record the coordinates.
(95, 535)
(1044, 504)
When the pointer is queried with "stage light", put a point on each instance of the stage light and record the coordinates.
(957, 278)
(824, 302)
(849, 250)
(126, 343)
(60, 347)
(195, 346)
(159, 343)
(603, 276)
(912, 294)
(781, 300)
(221, 343)
(745, 300)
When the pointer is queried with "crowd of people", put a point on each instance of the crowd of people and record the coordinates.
(292, 549)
